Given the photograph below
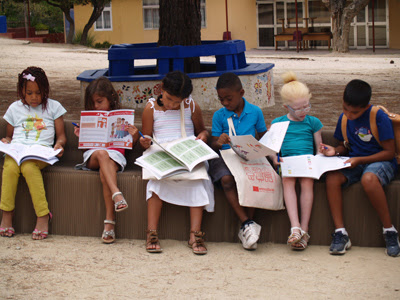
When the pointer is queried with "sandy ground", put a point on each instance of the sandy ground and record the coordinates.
(84, 268)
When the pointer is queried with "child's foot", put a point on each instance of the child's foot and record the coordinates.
(392, 243)
(303, 243)
(196, 242)
(120, 202)
(6, 229)
(295, 235)
(42, 227)
(249, 235)
(152, 242)
(108, 235)
(340, 243)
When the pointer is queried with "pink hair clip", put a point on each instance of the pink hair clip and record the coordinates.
(29, 77)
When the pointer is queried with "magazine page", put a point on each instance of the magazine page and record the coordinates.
(311, 166)
(274, 137)
(159, 162)
(106, 129)
(190, 151)
(248, 148)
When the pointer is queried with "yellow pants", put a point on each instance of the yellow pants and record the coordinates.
(31, 170)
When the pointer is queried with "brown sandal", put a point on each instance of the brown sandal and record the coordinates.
(152, 241)
(198, 242)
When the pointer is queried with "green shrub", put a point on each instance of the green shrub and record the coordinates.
(41, 26)
(89, 41)
(103, 45)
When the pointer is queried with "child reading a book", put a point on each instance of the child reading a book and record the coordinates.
(162, 120)
(303, 136)
(372, 163)
(100, 95)
(34, 119)
(247, 119)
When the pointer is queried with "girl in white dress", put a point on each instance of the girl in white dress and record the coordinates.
(161, 119)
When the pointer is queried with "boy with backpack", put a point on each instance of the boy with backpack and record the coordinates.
(372, 161)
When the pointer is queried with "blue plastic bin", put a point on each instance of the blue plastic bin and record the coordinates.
(3, 24)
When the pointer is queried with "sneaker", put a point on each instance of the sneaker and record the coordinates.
(340, 243)
(249, 235)
(392, 243)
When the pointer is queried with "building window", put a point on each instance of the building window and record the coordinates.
(151, 15)
(104, 22)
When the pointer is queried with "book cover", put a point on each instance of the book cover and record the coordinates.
(106, 129)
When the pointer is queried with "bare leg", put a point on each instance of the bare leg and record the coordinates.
(334, 181)
(377, 197)
(101, 160)
(196, 216)
(306, 201)
(109, 203)
(6, 222)
(154, 205)
(229, 187)
(290, 197)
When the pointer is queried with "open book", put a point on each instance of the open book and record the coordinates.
(21, 152)
(106, 129)
(312, 166)
(248, 148)
(179, 156)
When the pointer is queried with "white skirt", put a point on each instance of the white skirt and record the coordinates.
(114, 155)
(191, 193)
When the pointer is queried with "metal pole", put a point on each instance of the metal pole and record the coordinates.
(373, 27)
(226, 14)
(297, 28)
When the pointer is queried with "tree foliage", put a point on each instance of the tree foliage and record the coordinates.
(343, 13)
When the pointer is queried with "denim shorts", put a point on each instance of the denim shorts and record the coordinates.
(384, 170)
(218, 169)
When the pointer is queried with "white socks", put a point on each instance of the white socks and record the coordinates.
(342, 230)
(389, 229)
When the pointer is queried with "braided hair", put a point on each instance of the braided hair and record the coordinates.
(104, 88)
(36, 75)
(177, 84)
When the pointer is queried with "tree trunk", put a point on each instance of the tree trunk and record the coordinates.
(98, 7)
(180, 24)
(71, 22)
(342, 16)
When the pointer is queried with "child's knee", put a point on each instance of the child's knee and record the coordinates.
(335, 179)
(29, 168)
(370, 180)
(228, 183)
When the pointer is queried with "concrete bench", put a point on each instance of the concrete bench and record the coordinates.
(76, 201)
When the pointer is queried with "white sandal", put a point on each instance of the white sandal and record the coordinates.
(303, 243)
(108, 233)
(122, 202)
(295, 236)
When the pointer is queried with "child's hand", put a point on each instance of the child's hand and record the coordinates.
(58, 146)
(76, 131)
(5, 141)
(223, 139)
(133, 131)
(275, 161)
(145, 142)
(327, 150)
(203, 136)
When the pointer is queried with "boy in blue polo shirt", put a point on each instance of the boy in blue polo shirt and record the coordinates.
(247, 119)
(372, 163)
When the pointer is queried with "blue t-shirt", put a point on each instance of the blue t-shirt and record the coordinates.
(299, 138)
(361, 140)
(251, 120)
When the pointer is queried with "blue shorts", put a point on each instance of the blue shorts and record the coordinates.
(384, 170)
(218, 169)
